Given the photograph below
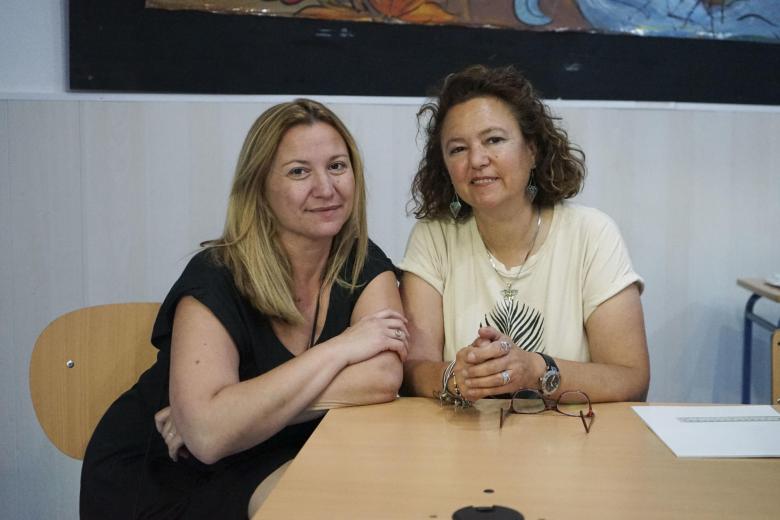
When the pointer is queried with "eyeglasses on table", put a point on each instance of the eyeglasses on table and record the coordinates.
(573, 403)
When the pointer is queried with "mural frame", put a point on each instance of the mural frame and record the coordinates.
(119, 46)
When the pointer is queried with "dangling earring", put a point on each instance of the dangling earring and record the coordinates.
(531, 190)
(455, 207)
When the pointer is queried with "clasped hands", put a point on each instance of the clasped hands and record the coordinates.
(493, 365)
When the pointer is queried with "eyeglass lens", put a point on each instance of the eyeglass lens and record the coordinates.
(572, 403)
(568, 403)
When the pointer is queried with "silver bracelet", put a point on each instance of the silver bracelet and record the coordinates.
(445, 396)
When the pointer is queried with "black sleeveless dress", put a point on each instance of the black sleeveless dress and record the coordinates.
(127, 473)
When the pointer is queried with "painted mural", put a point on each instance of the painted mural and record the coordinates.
(751, 20)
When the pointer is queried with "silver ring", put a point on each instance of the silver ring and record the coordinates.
(398, 333)
(505, 345)
(505, 377)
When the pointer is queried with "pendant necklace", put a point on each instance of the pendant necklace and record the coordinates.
(312, 337)
(508, 293)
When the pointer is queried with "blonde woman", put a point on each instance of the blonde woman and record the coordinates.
(291, 312)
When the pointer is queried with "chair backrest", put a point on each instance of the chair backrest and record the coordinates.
(82, 362)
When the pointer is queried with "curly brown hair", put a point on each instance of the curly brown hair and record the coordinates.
(560, 166)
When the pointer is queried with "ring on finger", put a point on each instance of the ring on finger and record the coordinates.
(398, 333)
(505, 377)
(505, 345)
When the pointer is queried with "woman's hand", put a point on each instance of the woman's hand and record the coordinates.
(494, 365)
(460, 371)
(165, 425)
(376, 333)
(219, 415)
(462, 364)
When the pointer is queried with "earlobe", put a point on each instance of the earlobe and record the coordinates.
(532, 150)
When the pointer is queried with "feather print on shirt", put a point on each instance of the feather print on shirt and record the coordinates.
(521, 322)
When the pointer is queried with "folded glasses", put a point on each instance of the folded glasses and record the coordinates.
(572, 403)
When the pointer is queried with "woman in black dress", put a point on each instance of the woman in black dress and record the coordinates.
(291, 312)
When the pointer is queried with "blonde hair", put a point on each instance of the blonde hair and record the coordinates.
(249, 247)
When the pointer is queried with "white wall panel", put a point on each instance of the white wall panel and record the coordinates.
(9, 386)
(114, 186)
(696, 196)
(46, 280)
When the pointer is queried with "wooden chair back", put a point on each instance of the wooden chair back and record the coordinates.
(83, 361)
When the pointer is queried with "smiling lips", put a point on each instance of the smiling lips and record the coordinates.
(483, 180)
(325, 209)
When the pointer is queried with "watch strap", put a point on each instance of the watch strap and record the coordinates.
(550, 362)
(551, 379)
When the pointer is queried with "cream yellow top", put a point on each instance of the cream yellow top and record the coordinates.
(582, 263)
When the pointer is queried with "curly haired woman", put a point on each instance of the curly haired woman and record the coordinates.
(506, 284)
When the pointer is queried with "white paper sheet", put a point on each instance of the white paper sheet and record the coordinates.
(715, 431)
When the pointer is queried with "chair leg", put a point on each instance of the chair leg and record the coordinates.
(747, 341)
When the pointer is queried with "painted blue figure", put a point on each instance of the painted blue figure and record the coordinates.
(528, 12)
(717, 19)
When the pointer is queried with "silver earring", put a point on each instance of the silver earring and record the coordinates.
(531, 189)
(455, 207)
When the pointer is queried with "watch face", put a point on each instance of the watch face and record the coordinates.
(550, 381)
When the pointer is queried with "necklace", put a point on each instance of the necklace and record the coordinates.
(316, 317)
(508, 292)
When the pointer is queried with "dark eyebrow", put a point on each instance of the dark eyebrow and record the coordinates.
(493, 129)
(449, 141)
(306, 163)
(299, 161)
(481, 134)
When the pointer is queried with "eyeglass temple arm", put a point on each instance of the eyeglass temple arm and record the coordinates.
(590, 415)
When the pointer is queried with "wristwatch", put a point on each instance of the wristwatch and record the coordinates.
(551, 379)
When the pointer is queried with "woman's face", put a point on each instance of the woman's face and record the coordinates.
(486, 155)
(311, 186)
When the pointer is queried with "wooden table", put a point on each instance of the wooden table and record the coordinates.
(760, 289)
(413, 459)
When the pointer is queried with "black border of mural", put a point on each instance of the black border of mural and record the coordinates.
(118, 46)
